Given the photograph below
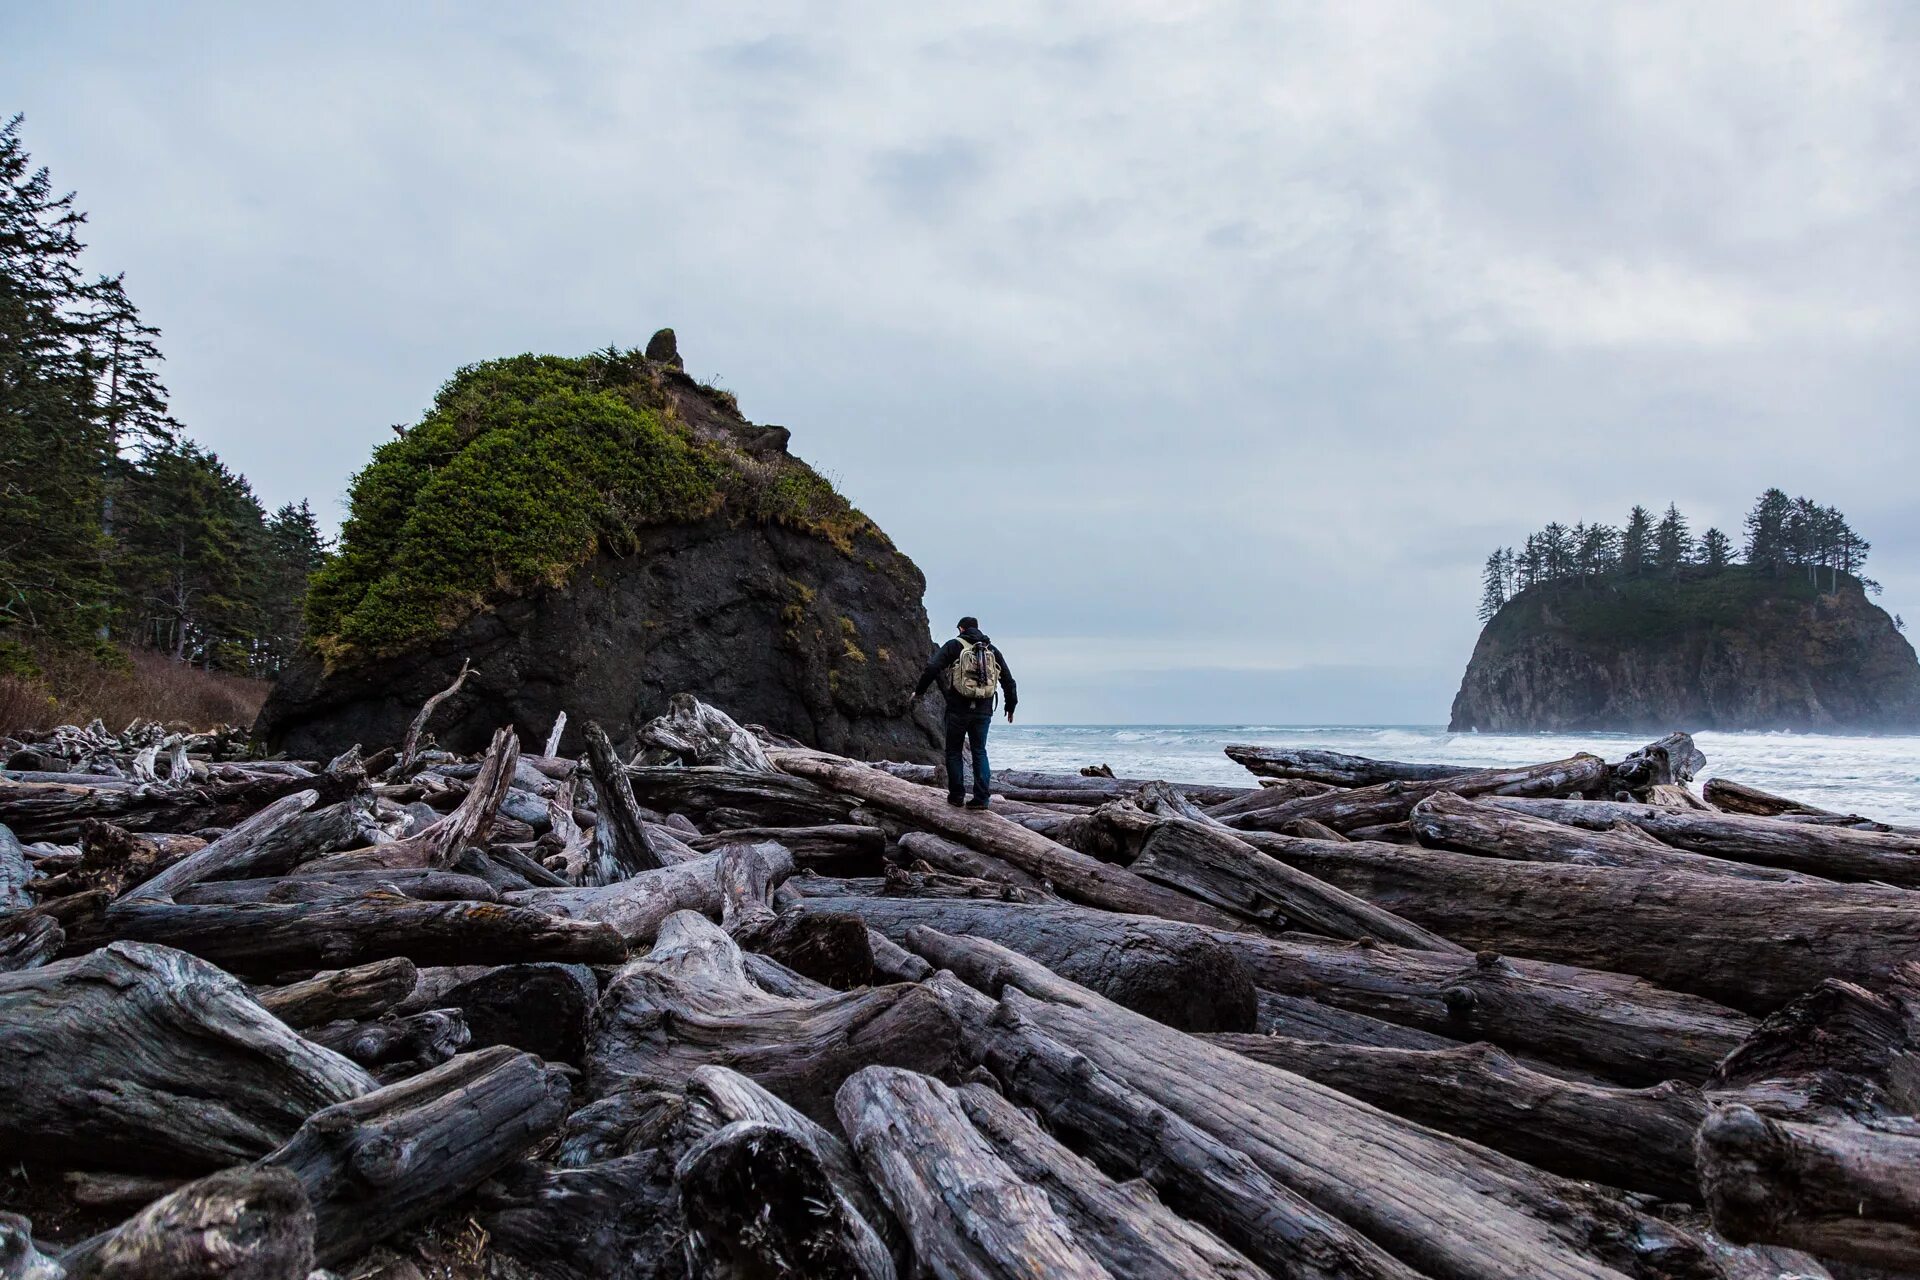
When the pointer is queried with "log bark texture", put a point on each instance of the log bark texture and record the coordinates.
(1709, 935)
(139, 1057)
(1393, 801)
(364, 991)
(616, 1219)
(398, 1155)
(634, 908)
(238, 1224)
(1334, 767)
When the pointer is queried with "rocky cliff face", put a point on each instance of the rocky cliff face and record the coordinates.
(771, 598)
(1741, 649)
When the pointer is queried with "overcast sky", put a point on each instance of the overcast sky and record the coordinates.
(1204, 351)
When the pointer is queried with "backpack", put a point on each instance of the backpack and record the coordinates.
(976, 672)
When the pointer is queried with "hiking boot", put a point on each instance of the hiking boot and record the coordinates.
(977, 804)
(956, 801)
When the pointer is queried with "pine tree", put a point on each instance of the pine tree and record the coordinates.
(1636, 541)
(1672, 543)
(295, 549)
(1715, 550)
(1767, 530)
(1556, 551)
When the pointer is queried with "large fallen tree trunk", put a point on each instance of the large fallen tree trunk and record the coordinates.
(1837, 853)
(689, 1003)
(418, 883)
(1073, 874)
(618, 1217)
(1709, 935)
(1123, 1225)
(1729, 796)
(1176, 973)
(965, 1211)
(1635, 1139)
(1334, 767)
(270, 938)
(957, 859)
(844, 849)
(1444, 1206)
(718, 799)
(1618, 1026)
(244, 1223)
(1393, 801)
(1445, 821)
(1068, 788)
(440, 845)
(397, 1155)
(139, 1057)
(635, 907)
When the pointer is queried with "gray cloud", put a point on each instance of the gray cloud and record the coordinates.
(1263, 325)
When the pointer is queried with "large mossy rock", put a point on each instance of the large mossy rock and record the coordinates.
(1738, 649)
(595, 535)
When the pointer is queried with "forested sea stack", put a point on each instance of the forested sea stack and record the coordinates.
(594, 535)
(1591, 627)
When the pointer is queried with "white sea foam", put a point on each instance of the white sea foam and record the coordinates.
(1878, 777)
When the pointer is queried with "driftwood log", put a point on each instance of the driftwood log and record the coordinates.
(1345, 810)
(364, 991)
(140, 1057)
(618, 1217)
(238, 1224)
(1334, 767)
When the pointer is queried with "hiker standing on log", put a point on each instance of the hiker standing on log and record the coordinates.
(975, 671)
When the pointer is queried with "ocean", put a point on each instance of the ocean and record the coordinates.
(1876, 777)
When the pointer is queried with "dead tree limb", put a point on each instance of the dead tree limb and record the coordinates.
(410, 745)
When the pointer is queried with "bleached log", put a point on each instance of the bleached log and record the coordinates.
(634, 907)
(440, 845)
(105, 1062)
(694, 733)
(1336, 768)
(1709, 935)
(1445, 821)
(554, 735)
(957, 859)
(966, 1213)
(1670, 761)
(1073, 874)
(841, 849)
(1393, 801)
(1729, 796)
(269, 938)
(689, 1003)
(1635, 1139)
(396, 1156)
(410, 745)
(1443, 1206)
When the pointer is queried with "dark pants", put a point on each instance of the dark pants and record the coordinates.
(964, 727)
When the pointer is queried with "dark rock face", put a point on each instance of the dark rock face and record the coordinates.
(777, 627)
(1742, 650)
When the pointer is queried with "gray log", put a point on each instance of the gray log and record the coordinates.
(1334, 767)
(1393, 801)
(418, 883)
(364, 991)
(616, 1219)
(28, 939)
(106, 1062)
(237, 1224)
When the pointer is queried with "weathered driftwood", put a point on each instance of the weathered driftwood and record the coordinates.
(1709, 935)
(410, 745)
(1838, 1052)
(1176, 973)
(1300, 1018)
(396, 1046)
(364, 991)
(139, 1057)
(125, 1191)
(1073, 874)
(1840, 1190)
(15, 871)
(1271, 793)
(635, 907)
(1729, 796)
(20, 1258)
(717, 799)
(1837, 853)
(957, 859)
(689, 1003)
(838, 849)
(618, 1217)
(440, 845)
(419, 883)
(1636, 1139)
(28, 939)
(1076, 789)
(1445, 821)
(1123, 1225)
(1214, 864)
(694, 733)
(271, 938)
(1619, 1026)
(966, 1213)
(397, 1155)
(1393, 801)
(58, 811)
(238, 1224)
(231, 852)
(620, 845)
(1334, 767)
(1671, 761)
(1443, 1206)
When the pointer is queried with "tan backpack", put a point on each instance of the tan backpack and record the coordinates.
(976, 672)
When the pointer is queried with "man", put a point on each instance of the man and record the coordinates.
(975, 671)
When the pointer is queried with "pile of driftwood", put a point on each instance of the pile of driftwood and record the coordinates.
(739, 1008)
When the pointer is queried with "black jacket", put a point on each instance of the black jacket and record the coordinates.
(944, 657)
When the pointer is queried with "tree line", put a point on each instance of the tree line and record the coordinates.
(1780, 533)
(119, 531)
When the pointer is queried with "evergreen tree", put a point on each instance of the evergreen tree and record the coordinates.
(1636, 541)
(1556, 550)
(1767, 530)
(1672, 543)
(1715, 550)
(1599, 553)
(294, 549)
